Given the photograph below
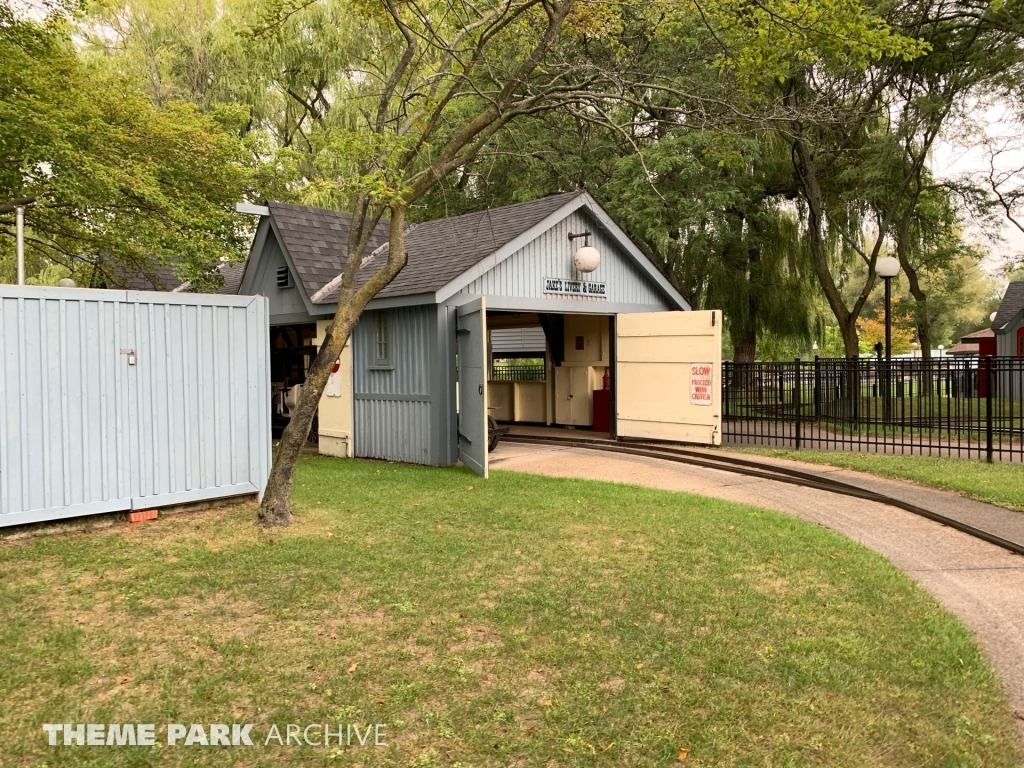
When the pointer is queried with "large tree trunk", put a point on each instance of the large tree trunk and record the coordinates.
(276, 507)
(744, 345)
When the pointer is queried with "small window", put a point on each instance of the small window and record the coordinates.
(284, 277)
(382, 343)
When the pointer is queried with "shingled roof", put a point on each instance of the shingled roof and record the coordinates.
(1012, 304)
(317, 240)
(156, 277)
(441, 250)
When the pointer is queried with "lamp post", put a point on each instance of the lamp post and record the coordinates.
(887, 268)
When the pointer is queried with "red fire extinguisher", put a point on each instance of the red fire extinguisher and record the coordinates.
(607, 381)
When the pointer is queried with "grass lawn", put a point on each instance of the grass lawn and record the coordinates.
(995, 483)
(520, 621)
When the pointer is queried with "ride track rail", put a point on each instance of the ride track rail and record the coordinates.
(764, 472)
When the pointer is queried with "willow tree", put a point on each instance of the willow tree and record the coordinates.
(431, 84)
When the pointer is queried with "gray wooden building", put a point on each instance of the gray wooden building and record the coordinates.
(1008, 324)
(418, 379)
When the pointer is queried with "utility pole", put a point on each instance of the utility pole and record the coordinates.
(19, 227)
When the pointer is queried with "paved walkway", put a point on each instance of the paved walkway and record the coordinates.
(978, 582)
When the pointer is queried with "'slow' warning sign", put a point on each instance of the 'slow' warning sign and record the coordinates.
(701, 381)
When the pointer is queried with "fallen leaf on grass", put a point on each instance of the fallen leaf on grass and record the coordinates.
(353, 667)
(640, 665)
(547, 703)
(681, 754)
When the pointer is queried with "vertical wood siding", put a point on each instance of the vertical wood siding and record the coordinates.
(392, 408)
(550, 255)
(84, 432)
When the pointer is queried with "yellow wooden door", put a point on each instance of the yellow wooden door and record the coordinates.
(668, 376)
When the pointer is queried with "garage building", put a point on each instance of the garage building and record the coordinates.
(535, 313)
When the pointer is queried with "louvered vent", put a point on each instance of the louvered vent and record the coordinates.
(284, 277)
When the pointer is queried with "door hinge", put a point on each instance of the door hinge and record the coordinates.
(712, 318)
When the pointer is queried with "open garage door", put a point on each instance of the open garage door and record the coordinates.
(472, 346)
(668, 376)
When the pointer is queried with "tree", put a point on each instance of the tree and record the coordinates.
(872, 328)
(437, 82)
(866, 166)
(112, 181)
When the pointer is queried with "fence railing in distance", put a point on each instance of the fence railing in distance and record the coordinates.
(518, 372)
(959, 407)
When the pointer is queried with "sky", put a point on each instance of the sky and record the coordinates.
(957, 156)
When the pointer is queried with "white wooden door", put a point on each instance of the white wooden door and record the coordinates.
(668, 376)
(472, 346)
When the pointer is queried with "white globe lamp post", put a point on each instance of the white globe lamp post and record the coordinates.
(887, 268)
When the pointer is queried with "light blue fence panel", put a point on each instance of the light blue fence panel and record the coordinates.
(115, 400)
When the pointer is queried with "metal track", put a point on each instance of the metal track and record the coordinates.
(765, 472)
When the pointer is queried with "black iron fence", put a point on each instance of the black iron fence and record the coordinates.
(518, 370)
(962, 407)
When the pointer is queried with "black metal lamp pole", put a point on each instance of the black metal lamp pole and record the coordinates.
(888, 318)
(887, 268)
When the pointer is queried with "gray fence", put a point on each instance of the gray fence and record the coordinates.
(118, 400)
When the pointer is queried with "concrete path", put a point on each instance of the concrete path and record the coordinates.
(978, 582)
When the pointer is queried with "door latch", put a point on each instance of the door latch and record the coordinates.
(131, 355)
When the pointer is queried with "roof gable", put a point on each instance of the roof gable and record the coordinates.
(1011, 305)
(316, 241)
(441, 250)
(445, 255)
(548, 254)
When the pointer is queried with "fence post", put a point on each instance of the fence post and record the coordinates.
(797, 401)
(726, 371)
(988, 408)
(817, 388)
(851, 372)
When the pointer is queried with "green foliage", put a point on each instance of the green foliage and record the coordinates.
(765, 42)
(675, 122)
(113, 175)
